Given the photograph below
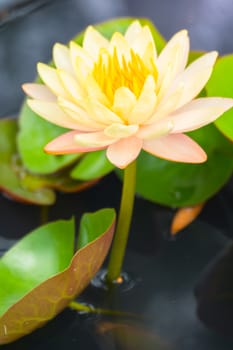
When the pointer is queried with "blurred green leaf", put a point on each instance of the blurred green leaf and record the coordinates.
(34, 134)
(12, 172)
(221, 84)
(92, 166)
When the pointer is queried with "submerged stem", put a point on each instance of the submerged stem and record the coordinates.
(123, 226)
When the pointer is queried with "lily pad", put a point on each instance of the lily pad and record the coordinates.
(92, 166)
(35, 132)
(11, 172)
(18, 183)
(220, 84)
(180, 185)
(39, 277)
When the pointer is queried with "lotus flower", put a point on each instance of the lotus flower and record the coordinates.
(120, 95)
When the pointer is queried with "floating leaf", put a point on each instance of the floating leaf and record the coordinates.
(26, 187)
(92, 166)
(220, 84)
(37, 278)
(184, 216)
(180, 185)
(11, 172)
(34, 134)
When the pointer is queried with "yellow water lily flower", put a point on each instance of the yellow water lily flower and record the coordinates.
(120, 95)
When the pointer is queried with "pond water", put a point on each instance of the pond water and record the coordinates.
(173, 279)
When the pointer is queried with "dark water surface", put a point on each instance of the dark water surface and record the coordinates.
(167, 273)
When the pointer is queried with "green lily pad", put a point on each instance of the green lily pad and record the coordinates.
(92, 166)
(35, 132)
(220, 84)
(11, 172)
(39, 277)
(20, 184)
(179, 184)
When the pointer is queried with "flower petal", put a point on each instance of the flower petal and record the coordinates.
(50, 78)
(133, 31)
(120, 130)
(141, 42)
(93, 41)
(119, 43)
(199, 112)
(101, 114)
(94, 91)
(39, 92)
(66, 144)
(172, 60)
(61, 57)
(78, 51)
(80, 115)
(146, 103)
(124, 102)
(52, 113)
(93, 139)
(75, 91)
(124, 151)
(194, 78)
(156, 130)
(176, 147)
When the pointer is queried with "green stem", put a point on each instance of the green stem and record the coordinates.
(82, 307)
(123, 226)
(44, 214)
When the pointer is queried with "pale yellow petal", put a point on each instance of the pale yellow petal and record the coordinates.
(93, 139)
(146, 103)
(61, 58)
(133, 31)
(199, 112)
(167, 105)
(119, 43)
(141, 42)
(172, 60)
(39, 92)
(78, 51)
(124, 102)
(52, 113)
(156, 130)
(93, 41)
(194, 78)
(101, 114)
(94, 91)
(73, 88)
(79, 114)
(119, 130)
(51, 79)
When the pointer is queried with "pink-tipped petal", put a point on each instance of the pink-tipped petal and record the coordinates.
(124, 151)
(177, 148)
(53, 113)
(66, 144)
(39, 92)
(94, 139)
(199, 112)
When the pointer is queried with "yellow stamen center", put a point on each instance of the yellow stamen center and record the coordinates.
(111, 73)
